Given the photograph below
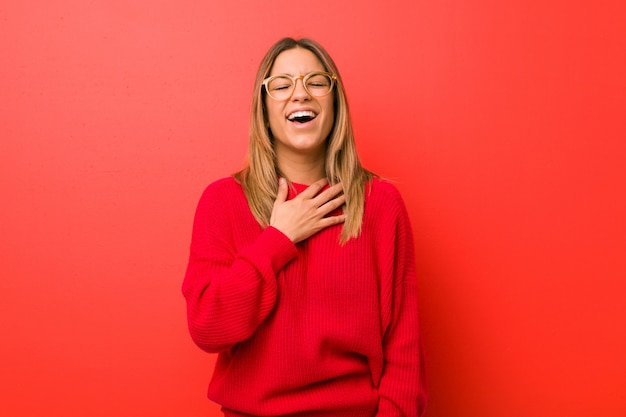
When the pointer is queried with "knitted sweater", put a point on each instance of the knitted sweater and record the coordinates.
(314, 328)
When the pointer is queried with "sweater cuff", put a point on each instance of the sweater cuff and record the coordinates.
(277, 246)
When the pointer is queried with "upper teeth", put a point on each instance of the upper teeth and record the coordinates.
(303, 113)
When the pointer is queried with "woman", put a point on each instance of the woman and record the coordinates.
(301, 273)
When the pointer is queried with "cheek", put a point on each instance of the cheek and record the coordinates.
(270, 106)
(273, 114)
(330, 107)
(330, 114)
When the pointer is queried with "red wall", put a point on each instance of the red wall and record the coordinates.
(502, 122)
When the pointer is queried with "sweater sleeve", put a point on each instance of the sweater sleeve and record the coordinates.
(229, 292)
(402, 390)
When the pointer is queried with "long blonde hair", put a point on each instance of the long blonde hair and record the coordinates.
(259, 178)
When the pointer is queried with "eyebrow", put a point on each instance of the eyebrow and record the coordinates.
(291, 75)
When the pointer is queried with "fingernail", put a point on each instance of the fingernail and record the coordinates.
(281, 181)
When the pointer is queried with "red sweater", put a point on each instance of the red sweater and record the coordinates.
(314, 328)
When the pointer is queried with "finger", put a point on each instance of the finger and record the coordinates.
(331, 205)
(314, 188)
(328, 195)
(283, 190)
(331, 221)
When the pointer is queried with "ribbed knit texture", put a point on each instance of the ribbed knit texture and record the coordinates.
(313, 329)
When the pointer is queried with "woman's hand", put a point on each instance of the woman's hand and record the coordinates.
(303, 216)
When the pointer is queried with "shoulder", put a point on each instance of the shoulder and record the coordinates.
(385, 211)
(382, 191)
(223, 188)
(221, 194)
(383, 202)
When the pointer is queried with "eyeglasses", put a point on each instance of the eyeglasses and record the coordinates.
(317, 84)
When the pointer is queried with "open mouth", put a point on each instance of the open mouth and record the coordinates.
(302, 116)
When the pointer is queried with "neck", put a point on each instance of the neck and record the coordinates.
(302, 169)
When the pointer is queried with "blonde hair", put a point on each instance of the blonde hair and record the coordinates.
(259, 178)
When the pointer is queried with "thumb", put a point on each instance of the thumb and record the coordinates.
(281, 196)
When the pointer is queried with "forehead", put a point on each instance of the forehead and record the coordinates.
(296, 61)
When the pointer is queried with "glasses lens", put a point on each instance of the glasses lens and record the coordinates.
(319, 84)
(280, 88)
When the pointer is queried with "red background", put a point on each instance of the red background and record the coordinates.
(502, 123)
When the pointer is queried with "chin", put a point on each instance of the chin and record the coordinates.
(312, 144)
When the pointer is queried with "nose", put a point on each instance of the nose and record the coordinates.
(299, 92)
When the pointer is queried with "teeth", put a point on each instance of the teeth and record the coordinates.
(304, 113)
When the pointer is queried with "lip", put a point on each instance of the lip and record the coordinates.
(301, 109)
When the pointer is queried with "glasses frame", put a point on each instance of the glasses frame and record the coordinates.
(304, 78)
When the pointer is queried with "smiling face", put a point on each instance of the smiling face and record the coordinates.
(301, 124)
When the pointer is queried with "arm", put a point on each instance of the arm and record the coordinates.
(229, 293)
(402, 388)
